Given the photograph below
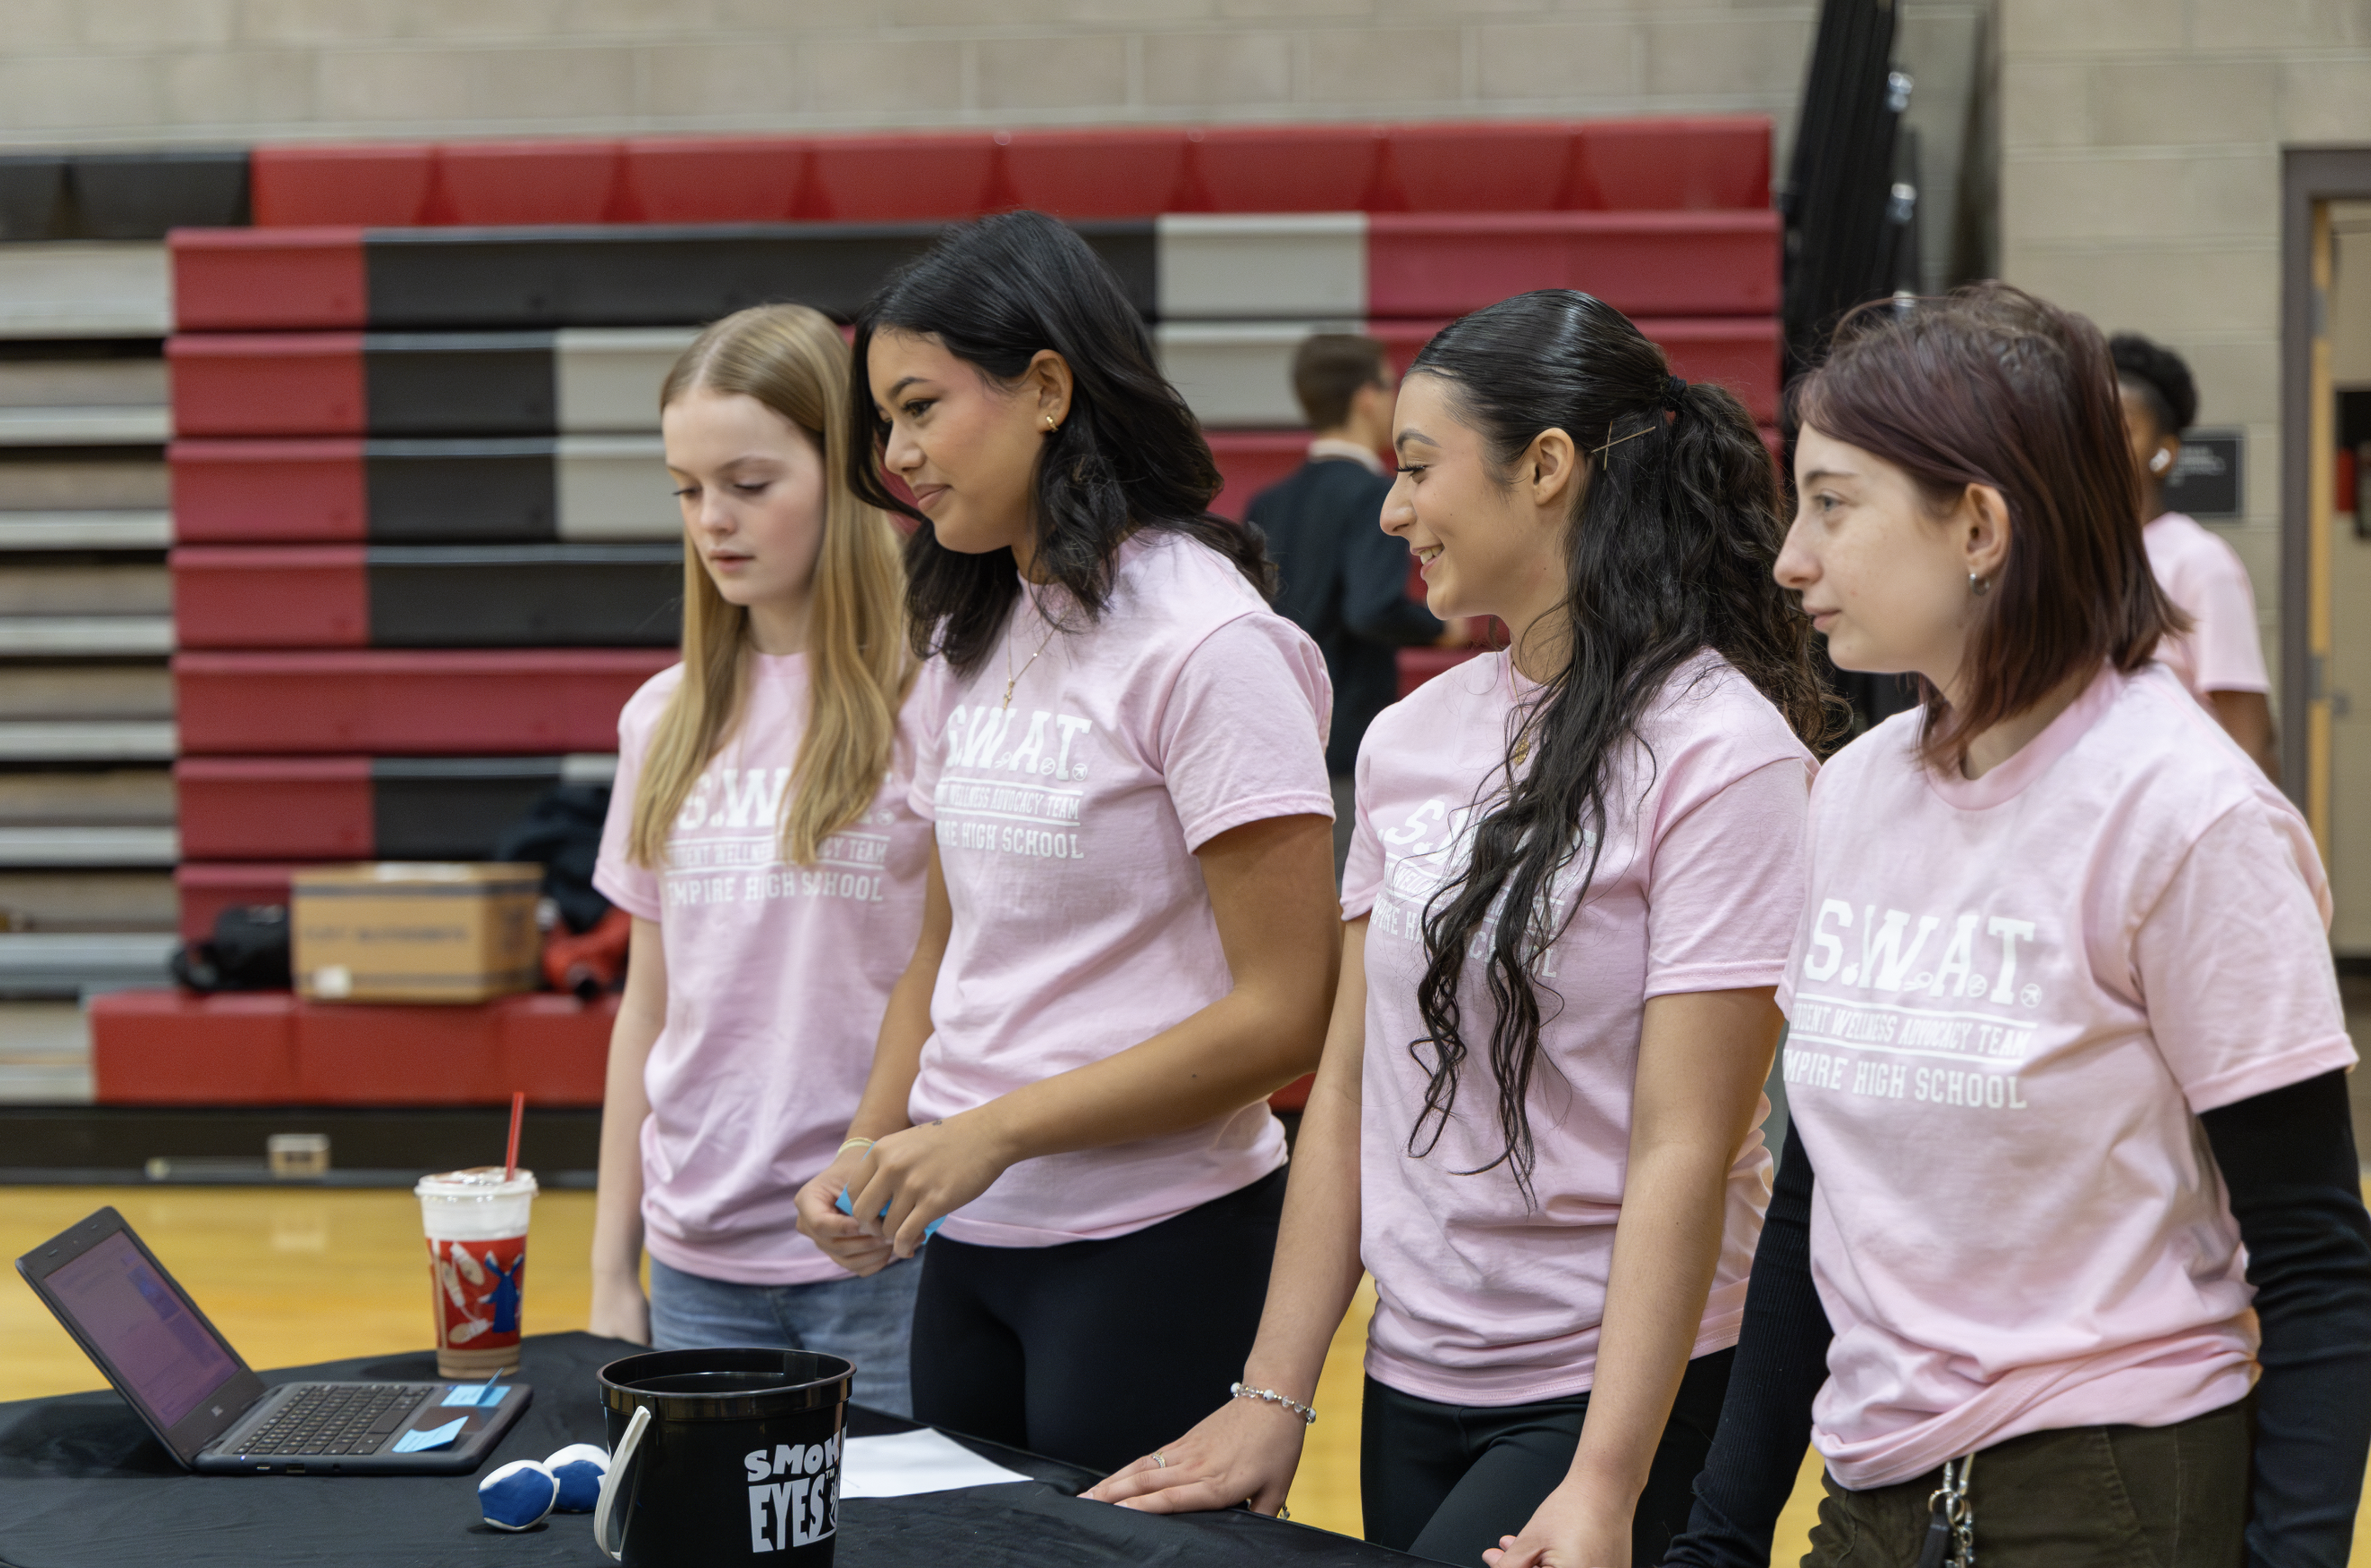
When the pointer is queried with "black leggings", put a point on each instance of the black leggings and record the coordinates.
(1445, 1481)
(1095, 1352)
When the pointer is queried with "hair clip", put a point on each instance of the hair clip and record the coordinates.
(1617, 440)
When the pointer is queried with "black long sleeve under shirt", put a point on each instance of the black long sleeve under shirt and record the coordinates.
(2288, 1165)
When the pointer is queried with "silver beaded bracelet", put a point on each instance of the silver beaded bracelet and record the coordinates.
(1307, 1416)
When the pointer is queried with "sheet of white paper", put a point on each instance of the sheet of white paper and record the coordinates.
(912, 1463)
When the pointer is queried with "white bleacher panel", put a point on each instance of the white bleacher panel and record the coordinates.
(107, 797)
(111, 690)
(64, 290)
(87, 740)
(1238, 375)
(94, 898)
(1255, 266)
(73, 380)
(615, 487)
(83, 482)
(59, 610)
(51, 588)
(75, 845)
(67, 963)
(84, 637)
(86, 530)
(607, 378)
(84, 427)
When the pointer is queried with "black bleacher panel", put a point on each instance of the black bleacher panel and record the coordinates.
(434, 808)
(621, 276)
(32, 186)
(438, 382)
(142, 195)
(442, 490)
(525, 596)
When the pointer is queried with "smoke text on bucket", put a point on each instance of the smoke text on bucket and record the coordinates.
(797, 1512)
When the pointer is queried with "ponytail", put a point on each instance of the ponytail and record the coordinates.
(1670, 552)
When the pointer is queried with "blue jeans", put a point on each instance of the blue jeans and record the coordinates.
(870, 1321)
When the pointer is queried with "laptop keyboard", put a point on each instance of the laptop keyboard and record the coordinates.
(337, 1418)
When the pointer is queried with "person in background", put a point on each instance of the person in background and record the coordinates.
(2067, 1263)
(1340, 577)
(1540, 1136)
(2220, 658)
(1128, 942)
(760, 837)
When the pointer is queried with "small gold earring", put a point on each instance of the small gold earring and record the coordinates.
(1049, 422)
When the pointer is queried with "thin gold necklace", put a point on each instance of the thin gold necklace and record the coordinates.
(1013, 677)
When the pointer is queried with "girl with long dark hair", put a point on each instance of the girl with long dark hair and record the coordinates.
(1576, 867)
(1128, 941)
(2067, 1263)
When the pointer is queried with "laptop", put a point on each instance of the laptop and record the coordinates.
(217, 1417)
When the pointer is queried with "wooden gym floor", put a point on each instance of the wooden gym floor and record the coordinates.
(295, 1276)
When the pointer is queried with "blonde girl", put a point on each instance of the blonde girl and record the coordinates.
(761, 838)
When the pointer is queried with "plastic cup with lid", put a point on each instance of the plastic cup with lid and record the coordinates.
(476, 1223)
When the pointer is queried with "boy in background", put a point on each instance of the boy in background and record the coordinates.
(1341, 578)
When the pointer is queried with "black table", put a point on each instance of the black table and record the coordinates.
(83, 1485)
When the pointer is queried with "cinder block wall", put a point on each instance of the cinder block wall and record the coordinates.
(2140, 183)
(88, 70)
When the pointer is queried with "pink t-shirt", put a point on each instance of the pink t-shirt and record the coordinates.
(1700, 888)
(2202, 574)
(777, 979)
(2010, 998)
(1067, 822)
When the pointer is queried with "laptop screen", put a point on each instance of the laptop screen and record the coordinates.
(162, 1356)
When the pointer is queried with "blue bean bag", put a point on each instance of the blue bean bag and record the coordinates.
(518, 1495)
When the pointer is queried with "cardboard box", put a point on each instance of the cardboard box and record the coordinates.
(404, 932)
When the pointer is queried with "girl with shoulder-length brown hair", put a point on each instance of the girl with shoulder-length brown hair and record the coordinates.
(760, 837)
(2066, 1051)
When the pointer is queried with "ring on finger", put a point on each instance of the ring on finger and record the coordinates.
(1160, 1460)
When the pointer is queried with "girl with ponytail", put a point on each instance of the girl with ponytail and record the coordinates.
(1576, 870)
(760, 838)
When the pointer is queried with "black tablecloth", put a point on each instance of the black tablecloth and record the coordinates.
(83, 1485)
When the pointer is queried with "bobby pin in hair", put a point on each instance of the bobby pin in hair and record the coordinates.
(1613, 440)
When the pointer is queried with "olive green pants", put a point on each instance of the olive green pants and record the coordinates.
(2085, 1497)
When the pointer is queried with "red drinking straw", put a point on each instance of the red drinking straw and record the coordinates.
(518, 1112)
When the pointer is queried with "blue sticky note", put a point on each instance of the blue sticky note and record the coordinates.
(476, 1394)
(928, 1232)
(421, 1438)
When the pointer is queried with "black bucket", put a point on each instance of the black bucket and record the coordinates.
(722, 1456)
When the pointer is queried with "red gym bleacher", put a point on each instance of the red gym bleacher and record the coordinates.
(422, 386)
(1703, 164)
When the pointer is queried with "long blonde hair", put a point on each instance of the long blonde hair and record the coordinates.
(791, 359)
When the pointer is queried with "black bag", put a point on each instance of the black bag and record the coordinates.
(249, 951)
(561, 833)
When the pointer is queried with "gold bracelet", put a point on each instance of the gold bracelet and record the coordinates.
(853, 1143)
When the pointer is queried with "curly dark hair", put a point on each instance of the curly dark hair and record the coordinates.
(1670, 552)
(2159, 375)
